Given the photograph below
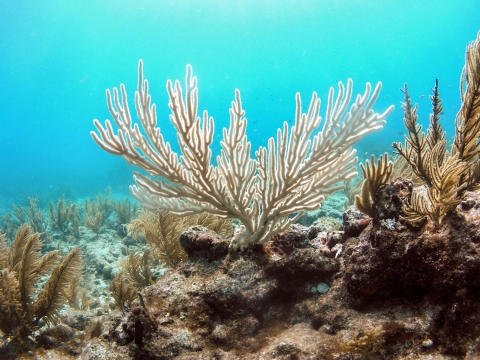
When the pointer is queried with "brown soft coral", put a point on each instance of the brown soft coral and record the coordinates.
(447, 175)
(23, 304)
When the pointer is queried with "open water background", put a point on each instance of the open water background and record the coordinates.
(58, 57)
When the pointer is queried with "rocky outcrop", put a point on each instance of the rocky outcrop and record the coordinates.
(387, 290)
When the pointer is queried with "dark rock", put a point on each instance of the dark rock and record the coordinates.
(139, 325)
(199, 242)
(303, 263)
(48, 342)
(118, 334)
(443, 262)
(354, 222)
(390, 197)
(334, 238)
(387, 206)
(468, 204)
(297, 236)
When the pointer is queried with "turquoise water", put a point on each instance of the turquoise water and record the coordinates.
(58, 57)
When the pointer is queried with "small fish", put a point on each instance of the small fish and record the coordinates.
(421, 96)
(151, 281)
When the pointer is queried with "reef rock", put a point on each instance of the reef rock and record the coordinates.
(382, 289)
(392, 292)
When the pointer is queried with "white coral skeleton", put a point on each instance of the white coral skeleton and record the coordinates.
(267, 193)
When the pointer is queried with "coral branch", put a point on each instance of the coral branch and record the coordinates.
(267, 194)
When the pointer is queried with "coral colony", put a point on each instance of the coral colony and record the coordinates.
(235, 258)
(289, 176)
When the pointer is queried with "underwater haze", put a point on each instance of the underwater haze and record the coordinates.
(57, 58)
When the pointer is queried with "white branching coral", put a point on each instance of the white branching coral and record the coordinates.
(266, 194)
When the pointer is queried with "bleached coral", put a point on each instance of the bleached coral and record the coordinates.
(265, 194)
